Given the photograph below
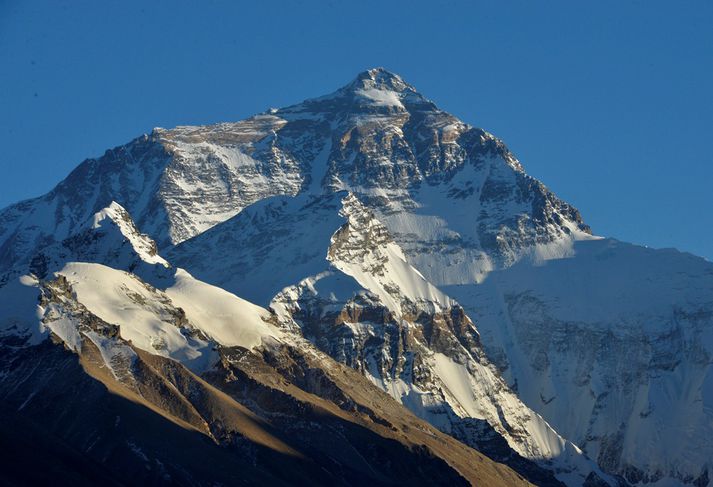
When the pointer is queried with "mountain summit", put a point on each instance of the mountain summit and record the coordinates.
(377, 79)
(364, 137)
(344, 263)
(373, 89)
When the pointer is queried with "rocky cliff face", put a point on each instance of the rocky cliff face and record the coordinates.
(413, 248)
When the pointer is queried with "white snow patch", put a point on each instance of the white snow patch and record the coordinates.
(141, 313)
(381, 97)
(228, 319)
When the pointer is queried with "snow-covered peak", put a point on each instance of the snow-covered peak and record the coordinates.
(108, 237)
(376, 92)
(380, 78)
(114, 212)
(375, 80)
(118, 229)
(376, 137)
(363, 249)
(378, 87)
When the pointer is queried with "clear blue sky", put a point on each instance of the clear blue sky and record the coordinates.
(609, 103)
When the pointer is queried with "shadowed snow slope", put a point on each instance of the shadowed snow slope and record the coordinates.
(613, 345)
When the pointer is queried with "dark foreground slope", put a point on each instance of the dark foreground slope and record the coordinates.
(68, 421)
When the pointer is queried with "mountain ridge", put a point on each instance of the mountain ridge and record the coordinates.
(147, 345)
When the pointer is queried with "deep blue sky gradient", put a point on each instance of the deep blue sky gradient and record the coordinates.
(609, 103)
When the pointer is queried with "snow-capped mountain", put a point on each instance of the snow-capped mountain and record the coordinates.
(373, 230)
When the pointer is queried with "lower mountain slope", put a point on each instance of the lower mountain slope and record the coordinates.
(613, 345)
(356, 298)
(162, 379)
